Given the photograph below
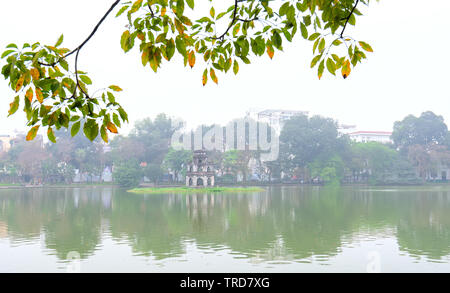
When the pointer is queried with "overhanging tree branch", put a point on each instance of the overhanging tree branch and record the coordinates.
(233, 21)
(87, 39)
(78, 49)
(348, 18)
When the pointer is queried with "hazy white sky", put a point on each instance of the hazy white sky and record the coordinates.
(407, 73)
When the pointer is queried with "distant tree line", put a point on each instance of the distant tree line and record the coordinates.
(311, 151)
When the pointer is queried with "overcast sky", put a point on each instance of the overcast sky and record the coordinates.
(407, 74)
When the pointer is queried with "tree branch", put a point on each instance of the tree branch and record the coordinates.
(77, 51)
(151, 10)
(233, 21)
(87, 39)
(348, 18)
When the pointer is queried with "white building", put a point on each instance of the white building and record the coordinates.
(5, 142)
(346, 129)
(368, 136)
(274, 118)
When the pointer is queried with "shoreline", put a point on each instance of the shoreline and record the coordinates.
(75, 185)
(227, 188)
(217, 189)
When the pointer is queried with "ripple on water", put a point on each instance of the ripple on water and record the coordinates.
(279, 262)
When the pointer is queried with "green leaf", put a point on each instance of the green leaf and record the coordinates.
(331, 66)
(366, 46)
(181, 46)
(180, 7)
(124, 41)
(336, 42)
(313, 36)
(85, 79)
(6, 53)
(75, 128)
(122, 10)
(123, 114)
(235, 67)
(190, 3)
(104, 134)
(90, 129)
(304, 31)
(12, 46)
(322, 45)
(111, 98)
(170, 49)
(14, 106)
(60, 40)
(116, 119)
(51, 135)
(315, 60)
(321, 69)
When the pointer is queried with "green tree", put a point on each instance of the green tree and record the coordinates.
(381, 164)
(155, 137)
(305, 140)
(127, 174)
(429, 128)
(54, 93)
(176, 161)
(153, 172)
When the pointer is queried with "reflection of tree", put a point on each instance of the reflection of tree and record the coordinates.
(75, 228)
(23, 212)
(147, 224)
(424, 228)
(53, 211)
(290, 223)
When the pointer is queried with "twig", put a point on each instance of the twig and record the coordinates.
(88, 38)
(348, 18)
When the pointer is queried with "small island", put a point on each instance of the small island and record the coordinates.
(184, 189)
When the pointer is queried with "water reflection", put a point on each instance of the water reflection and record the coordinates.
(283, 224)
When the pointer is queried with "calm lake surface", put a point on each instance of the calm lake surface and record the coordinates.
(286, 229)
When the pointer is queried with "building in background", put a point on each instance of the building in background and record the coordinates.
(346, 129)
(274, 118)
(5, 142)
(369, 136)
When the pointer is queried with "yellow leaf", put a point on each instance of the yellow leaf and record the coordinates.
(212, 73)
(346, 69)
(136, 6)
(270, 51)
(179, 26)
(154, 63)
(111, 127)
(115, 88)
(34, 73)
(366, 46)
(191, 58)
(29, 95)
(39, 95)
(141, 36)
(19, 83)
(163, 11)
(32, 133)
(205, 77)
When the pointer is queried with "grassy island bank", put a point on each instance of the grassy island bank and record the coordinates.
(195, 190)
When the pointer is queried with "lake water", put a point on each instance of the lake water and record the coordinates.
(285, 229)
